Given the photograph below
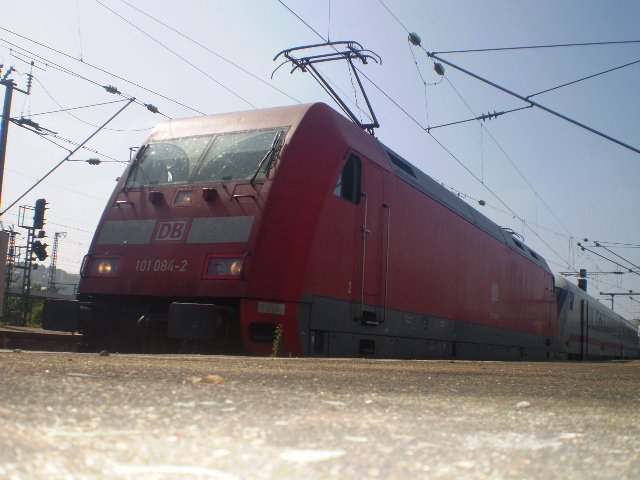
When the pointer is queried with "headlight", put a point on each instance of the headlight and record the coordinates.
(104, 267)
(221, 267)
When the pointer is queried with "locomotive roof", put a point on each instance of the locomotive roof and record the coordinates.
(230, 122)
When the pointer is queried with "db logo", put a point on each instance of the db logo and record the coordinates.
(171, 230)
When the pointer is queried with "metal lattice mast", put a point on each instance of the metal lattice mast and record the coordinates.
(11, 261)
(54, 260)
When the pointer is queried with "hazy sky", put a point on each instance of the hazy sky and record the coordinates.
(560, 183)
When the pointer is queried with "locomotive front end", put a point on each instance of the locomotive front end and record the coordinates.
(169, 260)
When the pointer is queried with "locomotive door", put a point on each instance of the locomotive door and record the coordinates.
(370, 228)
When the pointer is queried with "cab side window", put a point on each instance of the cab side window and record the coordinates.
(348, 184)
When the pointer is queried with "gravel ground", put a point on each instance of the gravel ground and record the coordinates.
(76, 416)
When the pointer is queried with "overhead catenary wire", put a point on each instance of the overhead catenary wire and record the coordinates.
(44, 133)
(394, 102)
(413, 119)
(424, 82)
(326, 84)
(508, 157)
(620, 245)
(46, 62)
(181, 57)
(594, 261)
(584, 78)
(505, 212)
(79, 32)
(535, 104)
(434, 55)
(49, 222)
(67, 111)
(530, 103)
(95, 67)
(47, 135)
(40, 134)
(609, 260)
(484, 116)
(393, 15)
(329, 23)
(483, 127)
(528, 184)
(51, 64)
(496, 196)
(532, 47)
(68, 156)
(359, 71)
(213, 52)
(324, 40)
(619, 307)
(76, 192)
(599, 245)
(92, 150)
(355, 93)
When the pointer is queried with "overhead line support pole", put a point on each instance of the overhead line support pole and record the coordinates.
(10, 86)
(4, 127)
(535, 104)
(614, 294)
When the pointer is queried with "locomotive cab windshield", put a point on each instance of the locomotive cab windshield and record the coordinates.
(233, 156)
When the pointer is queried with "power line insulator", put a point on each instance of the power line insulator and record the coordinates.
(111, 89)
(414, 38)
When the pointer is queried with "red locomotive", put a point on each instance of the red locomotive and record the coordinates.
(292, 231)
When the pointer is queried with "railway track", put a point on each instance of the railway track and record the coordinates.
(29, 338)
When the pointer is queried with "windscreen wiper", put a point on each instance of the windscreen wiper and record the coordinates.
(269, 156)
(135, 166)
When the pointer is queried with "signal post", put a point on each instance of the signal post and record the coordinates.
(34, 249)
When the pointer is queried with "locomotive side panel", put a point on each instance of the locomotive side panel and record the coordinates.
(280, 257)
(437, 277)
